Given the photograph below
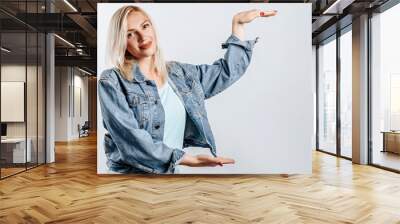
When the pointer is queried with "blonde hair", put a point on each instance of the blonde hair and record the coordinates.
(117, 44)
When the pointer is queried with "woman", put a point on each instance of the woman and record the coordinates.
(152, 109)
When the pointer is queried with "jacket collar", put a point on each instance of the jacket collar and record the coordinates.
(137, 74)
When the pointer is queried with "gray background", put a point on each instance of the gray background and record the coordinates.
(265, 120)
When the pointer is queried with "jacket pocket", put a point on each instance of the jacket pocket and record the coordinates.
(140, 106)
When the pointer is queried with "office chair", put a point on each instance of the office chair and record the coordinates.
(84, 130)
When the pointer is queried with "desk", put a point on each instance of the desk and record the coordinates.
(13, 150)
(391, 141)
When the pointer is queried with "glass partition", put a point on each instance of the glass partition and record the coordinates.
(13, 94)
(22, 78)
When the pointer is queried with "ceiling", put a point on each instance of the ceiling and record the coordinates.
(75, 22)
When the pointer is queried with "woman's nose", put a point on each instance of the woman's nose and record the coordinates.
(139, 35)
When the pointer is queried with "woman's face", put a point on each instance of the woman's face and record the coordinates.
(141, 36)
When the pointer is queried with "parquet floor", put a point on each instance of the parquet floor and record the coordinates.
(70, 191)
(10, 171)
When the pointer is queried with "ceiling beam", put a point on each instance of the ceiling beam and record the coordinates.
(82, 61)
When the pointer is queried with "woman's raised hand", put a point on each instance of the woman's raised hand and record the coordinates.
(250, 15)
(205, 160)
(241, 18)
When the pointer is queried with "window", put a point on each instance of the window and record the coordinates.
(346, 94)
(327, 96)
(385, 88)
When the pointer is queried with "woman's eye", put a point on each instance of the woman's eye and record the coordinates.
(146, 25)
(129, 35)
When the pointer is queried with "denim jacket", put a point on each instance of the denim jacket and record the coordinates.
(134, 117)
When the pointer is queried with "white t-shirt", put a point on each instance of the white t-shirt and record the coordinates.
(175, 117)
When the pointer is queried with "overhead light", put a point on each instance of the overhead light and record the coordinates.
(80, 51)
(5, 50)
(64, 40)
(338, 6)
(70, 5)
(84, 71)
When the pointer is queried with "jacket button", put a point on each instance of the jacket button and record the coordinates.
(157, 126)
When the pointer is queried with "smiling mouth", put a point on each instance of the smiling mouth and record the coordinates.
(145, 46)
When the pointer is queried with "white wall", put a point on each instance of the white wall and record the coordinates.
(80, 84)
(61, 103)
(33, 126)
(265, 120)
(314, 75)
(68, 81)
(15, 72)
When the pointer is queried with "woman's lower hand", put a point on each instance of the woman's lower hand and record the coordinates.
(241, 18)
(205, 161)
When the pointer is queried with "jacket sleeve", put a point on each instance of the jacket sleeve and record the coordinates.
(135, 146)
(225, 71)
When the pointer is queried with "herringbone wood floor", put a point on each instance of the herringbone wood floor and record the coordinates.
(70, 191)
